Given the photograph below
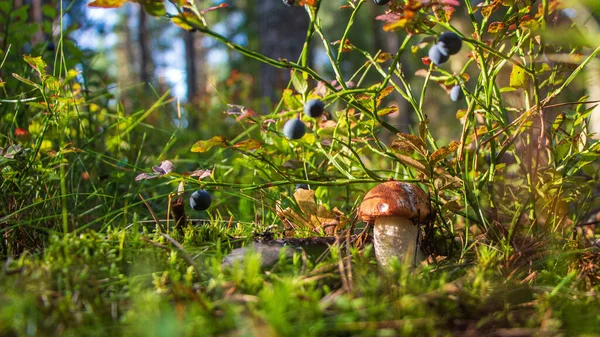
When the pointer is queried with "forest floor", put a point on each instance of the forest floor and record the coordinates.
(140, 282)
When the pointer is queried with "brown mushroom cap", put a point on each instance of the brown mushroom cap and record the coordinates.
(395, 198)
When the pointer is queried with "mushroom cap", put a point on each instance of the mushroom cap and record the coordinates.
(395, 198)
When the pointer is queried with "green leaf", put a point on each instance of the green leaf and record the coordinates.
(187, 21)
(52, 83)
(155, 8)
(5, 6)
(49, 11)
(558, 121)
(202, 146)
(299, 82)
(290, 100)
(507, 89)
(36, 63)
(21, 14)
(24, 80)
(38, 105)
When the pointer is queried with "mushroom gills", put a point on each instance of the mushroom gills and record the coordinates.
(396, 237)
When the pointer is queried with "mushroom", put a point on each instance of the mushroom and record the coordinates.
(396, 209)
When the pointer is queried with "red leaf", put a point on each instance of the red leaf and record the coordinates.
(388, 17)
(213, 8)
(21, 133)
(450, 2)
(198, 173)
(245, 114)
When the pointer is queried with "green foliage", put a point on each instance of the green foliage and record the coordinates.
(93, 179)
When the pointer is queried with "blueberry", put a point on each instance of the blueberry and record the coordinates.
(200, 200)
(381, 2)
(436, 56)
(456, 93)
(314, 108)
(289, 2)
(294, 129)
(449, 43)
(301, 186)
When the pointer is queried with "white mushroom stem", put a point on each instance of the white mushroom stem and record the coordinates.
(396, 237)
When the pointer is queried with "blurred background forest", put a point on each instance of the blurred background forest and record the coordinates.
(139, 57)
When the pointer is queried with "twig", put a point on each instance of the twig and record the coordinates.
(156, 244)
(160, 226)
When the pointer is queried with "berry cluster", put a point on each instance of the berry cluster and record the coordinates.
(448, 44)
(295, 128)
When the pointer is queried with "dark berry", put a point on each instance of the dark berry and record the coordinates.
(436, 56)
(294, 129)
(200, 200)
(381, 2)
(301, 186)
(456, 93)
(449, 43)
(289, 2)
(314, 108)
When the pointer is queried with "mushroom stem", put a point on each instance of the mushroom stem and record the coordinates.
(395, 237)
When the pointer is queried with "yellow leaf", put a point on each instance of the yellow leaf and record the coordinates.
(306, 201)
(406, 139)
(248, 145)
(205, 145)
(443, 152)
(409, 161)
(496, 27)
(382, 57)
(390, 27)
(387, 111)
(519, 78)
(106, 3)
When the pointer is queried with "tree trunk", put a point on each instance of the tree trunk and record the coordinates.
(190, 57)
(281, 33)
(146, 64)
(125, 56)
(37, 17)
